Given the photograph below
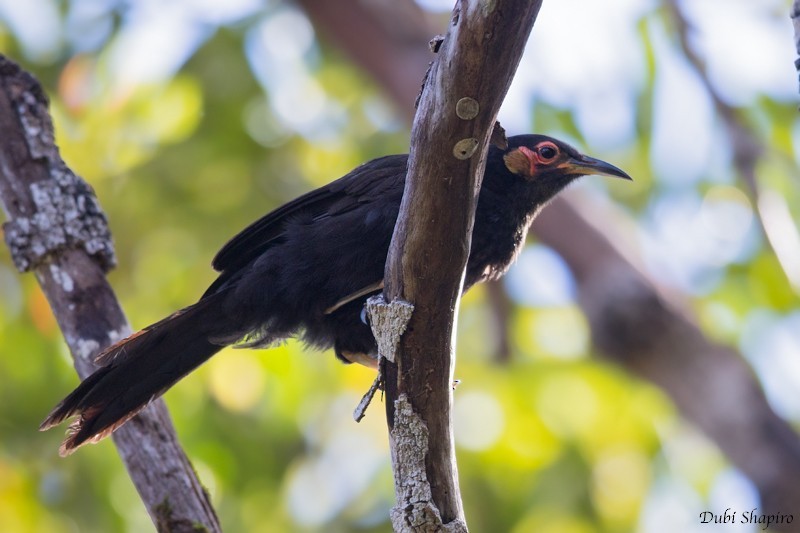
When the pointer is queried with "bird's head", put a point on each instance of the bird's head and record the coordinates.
(549, 164)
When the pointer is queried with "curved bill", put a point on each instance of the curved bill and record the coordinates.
(589, 165)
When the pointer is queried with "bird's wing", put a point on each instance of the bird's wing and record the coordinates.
(256, 238)
(363, 184)
(378, 285)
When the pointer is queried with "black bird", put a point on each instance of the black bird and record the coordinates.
(307, 268)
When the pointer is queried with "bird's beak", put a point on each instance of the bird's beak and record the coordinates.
(586, 165)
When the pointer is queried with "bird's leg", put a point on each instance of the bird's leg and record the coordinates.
(361, 408)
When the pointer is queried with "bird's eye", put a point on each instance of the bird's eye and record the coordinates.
(548, 151)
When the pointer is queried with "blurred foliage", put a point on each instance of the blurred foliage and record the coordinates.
(552, 442)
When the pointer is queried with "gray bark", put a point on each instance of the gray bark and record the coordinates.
(56, 229)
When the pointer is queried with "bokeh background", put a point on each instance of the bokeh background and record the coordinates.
(191, 118)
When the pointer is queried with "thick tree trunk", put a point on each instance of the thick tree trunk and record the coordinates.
(56, 229)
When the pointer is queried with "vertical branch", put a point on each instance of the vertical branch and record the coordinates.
(56, 229)
(465, 87)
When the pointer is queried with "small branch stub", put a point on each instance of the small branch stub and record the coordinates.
(436, 43)
(388, 322)
(498, 137)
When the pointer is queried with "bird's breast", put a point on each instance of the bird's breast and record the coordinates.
(494, 248)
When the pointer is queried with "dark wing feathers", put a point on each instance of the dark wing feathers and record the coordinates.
(363, 183)
(257, 237)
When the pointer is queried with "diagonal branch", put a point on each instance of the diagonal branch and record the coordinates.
(56, 229)
(773, 212)
(636, 326)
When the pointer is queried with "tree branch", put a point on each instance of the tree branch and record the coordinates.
(425, 266)
(56, 229)
(637, 327)
(367, 31)
(771, 208)
(502, 307)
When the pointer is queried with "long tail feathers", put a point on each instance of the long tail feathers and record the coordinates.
(138, 370)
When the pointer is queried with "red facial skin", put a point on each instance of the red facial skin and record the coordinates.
(534, 157)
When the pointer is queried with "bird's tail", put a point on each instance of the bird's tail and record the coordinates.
(139, 369)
